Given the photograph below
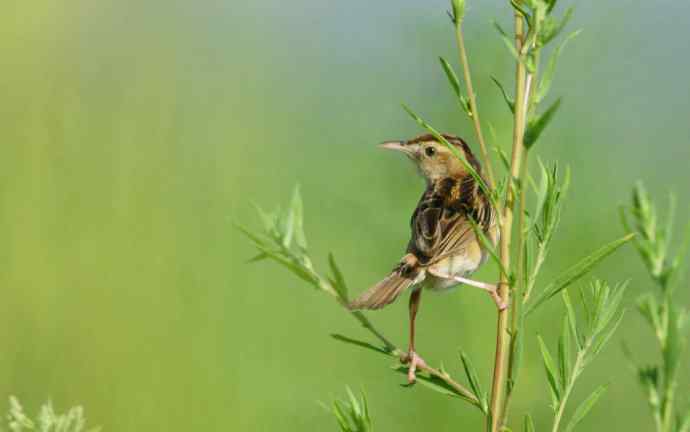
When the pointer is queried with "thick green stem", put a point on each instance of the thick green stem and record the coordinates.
(499, 375)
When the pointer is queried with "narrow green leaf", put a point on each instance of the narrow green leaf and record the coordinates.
(550, 368)
(472, 378)
(297, 210)
(503, 157)
(674, 344)
(684, 422)
(578, 270)
(517, 348)
(267, 219)
(550, 70)
(584, 408)
(508, 41)
(256, 258)
(529, 424)
(354, 403)
(605, 336)
(258, 241)
(519, 8)
(555, 27)
(538, 124)
(543, 190)
(286, 227)
(564, 353)
(338, 412)
(340, 286)
(572, 320)
(451, 75)
(649, 309)
(508, 100)
(360, 344)
(611, 307)
(293, 266)
(455, 84)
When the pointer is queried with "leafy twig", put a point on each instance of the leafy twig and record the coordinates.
(283, 240)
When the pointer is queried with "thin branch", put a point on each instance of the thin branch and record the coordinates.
(395, 351)
(577, 367)
(473, 102)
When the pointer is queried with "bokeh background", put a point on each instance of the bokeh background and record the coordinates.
(134, 133)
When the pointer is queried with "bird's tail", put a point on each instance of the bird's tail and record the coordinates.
(383, 293)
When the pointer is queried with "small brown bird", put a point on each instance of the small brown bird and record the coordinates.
(444, 248)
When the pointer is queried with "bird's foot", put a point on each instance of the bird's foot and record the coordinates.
(502, 305)
(414, 361)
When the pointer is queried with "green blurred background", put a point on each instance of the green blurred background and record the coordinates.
(134, 133)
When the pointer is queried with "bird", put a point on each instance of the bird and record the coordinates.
(444, 248)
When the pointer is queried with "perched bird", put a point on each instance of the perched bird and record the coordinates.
(444, 248)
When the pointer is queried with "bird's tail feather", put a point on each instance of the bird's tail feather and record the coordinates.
(383, 293)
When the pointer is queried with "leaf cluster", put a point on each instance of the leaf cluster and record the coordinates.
(578, 345)
(283, 240)
(352, 414)
(47, 419)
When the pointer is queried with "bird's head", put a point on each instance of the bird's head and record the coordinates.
(434, 160)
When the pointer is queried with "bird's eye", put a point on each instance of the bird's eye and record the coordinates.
(430, 151)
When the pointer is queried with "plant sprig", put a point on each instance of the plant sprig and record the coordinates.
(661, 312)
(603, 316)
(283, 240)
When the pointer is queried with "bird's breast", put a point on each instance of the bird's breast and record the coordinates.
(462, 264)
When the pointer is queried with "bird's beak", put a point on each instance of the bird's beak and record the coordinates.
(395, 145)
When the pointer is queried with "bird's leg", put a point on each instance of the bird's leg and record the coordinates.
(491, 288)
(412, 356)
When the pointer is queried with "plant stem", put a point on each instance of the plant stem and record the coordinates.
(515, 306)
(473, 102)
(523, 285)
(395, 351)
(669, 379)
(499, 374)
(569, 388)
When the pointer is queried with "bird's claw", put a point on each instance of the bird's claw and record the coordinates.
(415, 361)
(502, 305)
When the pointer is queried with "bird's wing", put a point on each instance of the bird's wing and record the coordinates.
(441, 224)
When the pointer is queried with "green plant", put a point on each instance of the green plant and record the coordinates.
(666, 318)
(352, 414)
(525, 230)
(47, 419)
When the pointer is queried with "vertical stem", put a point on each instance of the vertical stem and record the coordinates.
(566, 394)
(669, 379)
(473, 102)
(522, 239)
(498, 383)
(515, 306)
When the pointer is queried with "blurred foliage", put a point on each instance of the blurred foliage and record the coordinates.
(134, 131)
(47, 419)
(662, 313)
(352, 415)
